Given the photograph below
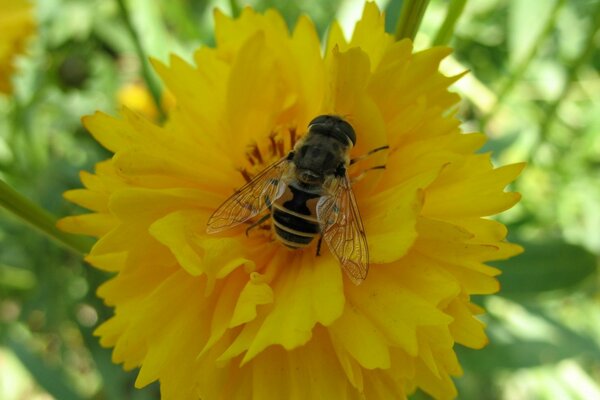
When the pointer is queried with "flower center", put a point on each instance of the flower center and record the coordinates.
(259, 156)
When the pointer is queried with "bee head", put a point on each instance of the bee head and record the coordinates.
(333, 126)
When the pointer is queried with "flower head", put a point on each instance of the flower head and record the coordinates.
(16, 24)
(235, 316)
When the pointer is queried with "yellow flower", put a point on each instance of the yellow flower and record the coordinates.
(136, 97)
(237, 317)
(16, 24)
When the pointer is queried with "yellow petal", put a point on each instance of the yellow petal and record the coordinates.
(306, 49)
(253, 104)
(228, 293)
(256, 292)
(466, 329)
(429, 281)
(335, 39)
(347, 75)
(114, 134)
(89, 199)
(88, 224)
(199, 91)
(390, 219)
(427, 154)
(108, 262)
(184, 233)
(394, 310)
(305, 294)
(148, 205)
(361, 339)
(482, 191)
(439, 387)
(133, 283)
(369, 34)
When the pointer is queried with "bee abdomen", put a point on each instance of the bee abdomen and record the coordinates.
(293, 231)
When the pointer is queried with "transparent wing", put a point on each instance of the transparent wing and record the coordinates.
(253, 198)
(343, 230)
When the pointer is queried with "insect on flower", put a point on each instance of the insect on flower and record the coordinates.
(308, 193)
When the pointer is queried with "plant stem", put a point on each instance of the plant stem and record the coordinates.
(39, 218)
(151, 82)
(524, 64)
(410, 18)
(444, 35)
(235, 8)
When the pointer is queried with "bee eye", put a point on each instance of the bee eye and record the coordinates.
(319, 120)
(347, 130)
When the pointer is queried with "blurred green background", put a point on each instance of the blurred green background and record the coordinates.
(534, 88)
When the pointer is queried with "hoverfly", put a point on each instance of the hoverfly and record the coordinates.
(308, 193)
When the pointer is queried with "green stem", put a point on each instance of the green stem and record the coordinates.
(519, 71)
(410, 18)
(235, 8)
(151, 82)
(444, 35)
(39, 218)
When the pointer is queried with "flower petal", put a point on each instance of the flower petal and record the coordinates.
(394, 310)
(483, 189)
(305, 293)
(369, 34)
(256, 292)
(466, 329)
(183, 232)
(361, 339)
(95, 225)
(253, 105)
(390, 218)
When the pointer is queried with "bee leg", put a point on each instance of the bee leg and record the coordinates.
(356, 159)
(362, 173)
(257, 223)
(319, 245)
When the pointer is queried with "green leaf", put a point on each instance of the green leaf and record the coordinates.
(517, 355)
(526, 22)
(544, 266)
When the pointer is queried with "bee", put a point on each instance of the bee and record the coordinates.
(308, 194)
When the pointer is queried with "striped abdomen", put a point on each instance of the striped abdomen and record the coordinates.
(294, 218)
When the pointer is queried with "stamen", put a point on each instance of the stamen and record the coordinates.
(273, 144)
(245, 174)
(280, 148)
(256, 154)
